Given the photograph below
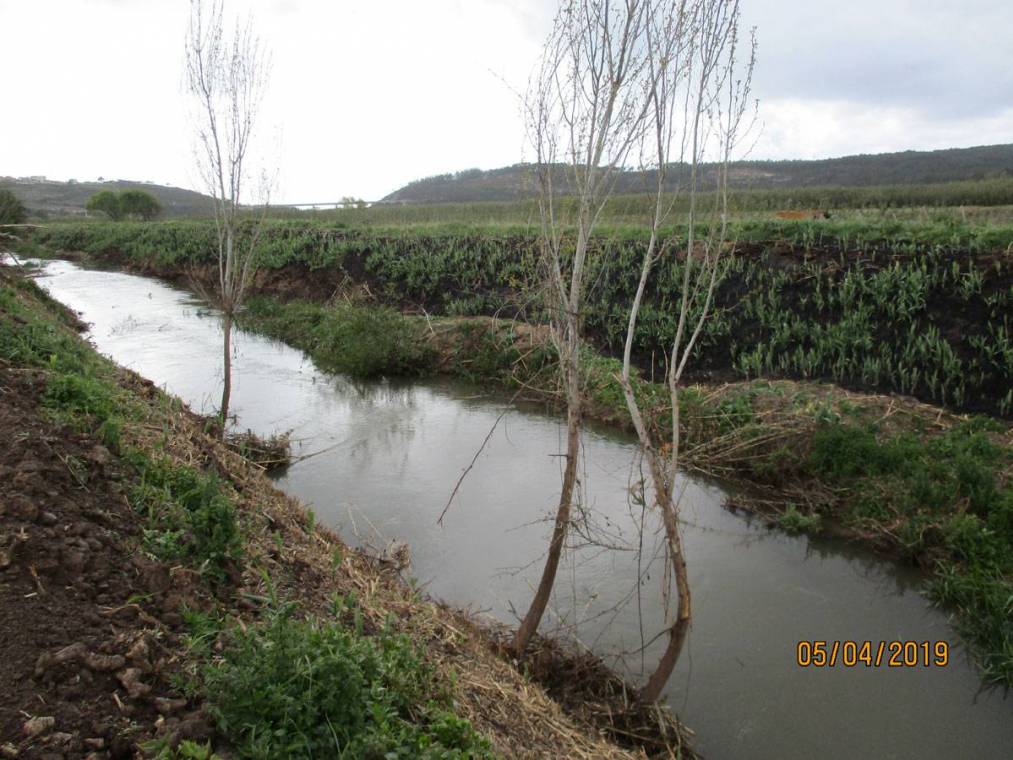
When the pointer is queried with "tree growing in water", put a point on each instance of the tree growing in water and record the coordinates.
(699, 94)
(585, 108)
(621, 82)
(226, 77)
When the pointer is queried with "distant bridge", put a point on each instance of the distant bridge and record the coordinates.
(326, 204)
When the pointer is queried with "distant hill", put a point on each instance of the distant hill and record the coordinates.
(906, 168)
(69, 198)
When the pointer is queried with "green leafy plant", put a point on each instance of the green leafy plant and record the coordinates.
(794, 521)
(189, 515)
(305, 689)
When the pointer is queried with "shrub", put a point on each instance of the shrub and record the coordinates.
(12, 211)
(106, 202)
(794, 521)
(140, 204)
(359, 341)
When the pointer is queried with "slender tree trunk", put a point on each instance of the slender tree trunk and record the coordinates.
(680, 626)
(533, 617)
(227, 384)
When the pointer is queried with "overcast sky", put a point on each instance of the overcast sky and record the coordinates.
(366, 96)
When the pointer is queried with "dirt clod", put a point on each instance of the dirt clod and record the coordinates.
(104, 663)
(194, 729)
(131, 680)
(169, 706)
(37, 726)
(139, 654)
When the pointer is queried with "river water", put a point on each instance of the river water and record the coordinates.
(383, 458)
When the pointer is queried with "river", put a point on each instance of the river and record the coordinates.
(382, 459)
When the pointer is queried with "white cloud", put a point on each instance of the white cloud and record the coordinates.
(796, 128)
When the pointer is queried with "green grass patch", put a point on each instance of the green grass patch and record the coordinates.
(313, 688)
(944, 497)
(360, 341)
(189, 516)
(793, 521)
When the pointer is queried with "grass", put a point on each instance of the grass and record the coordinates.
(945, 499)
(363, 342)
(189, 515)
(794, 521)
(316, 688)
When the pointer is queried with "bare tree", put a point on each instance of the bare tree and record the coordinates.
(699, 95)
(586, 110)
(226, 77)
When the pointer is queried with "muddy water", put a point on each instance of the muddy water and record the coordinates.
(385, 457)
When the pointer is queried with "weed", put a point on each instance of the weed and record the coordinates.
(303, 689)
(794, 521)
(359, 341)
(188, 513)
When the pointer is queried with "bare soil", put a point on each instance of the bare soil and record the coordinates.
(88, 624)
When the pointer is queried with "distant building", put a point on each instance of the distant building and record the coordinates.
(34, 180)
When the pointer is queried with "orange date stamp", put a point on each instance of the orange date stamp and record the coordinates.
(872, 654)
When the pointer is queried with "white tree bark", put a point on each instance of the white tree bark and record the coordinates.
(226, 77)
(700, 99)
(587, 109)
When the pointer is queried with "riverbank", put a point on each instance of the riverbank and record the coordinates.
(909, 479)
(906, 478)
(906, 308)
(170, 590)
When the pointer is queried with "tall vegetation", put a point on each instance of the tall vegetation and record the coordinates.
(128, 203)
(699, 98)
(226, 77)
(917, 309)
(12, 211)
(105, 202)
(139, 204)
(585, 108)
